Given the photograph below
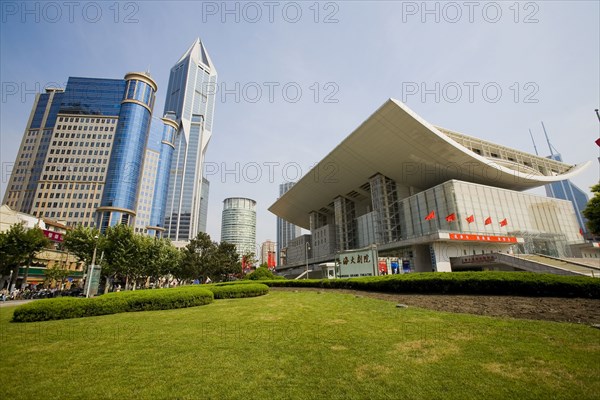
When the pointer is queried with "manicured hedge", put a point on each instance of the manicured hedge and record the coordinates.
(262, 274)
(475, 283)
(112, 303)
(240, 290)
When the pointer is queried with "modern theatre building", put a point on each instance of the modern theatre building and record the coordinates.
(427, 196)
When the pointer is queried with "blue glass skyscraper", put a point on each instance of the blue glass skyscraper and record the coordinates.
(163, 167)
(566, 190)
(191, 96)
(119, 198)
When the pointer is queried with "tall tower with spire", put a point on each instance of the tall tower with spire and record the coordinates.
(191, 97)
(566, 189)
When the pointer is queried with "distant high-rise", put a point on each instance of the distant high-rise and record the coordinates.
(285, 230)
(267, 253)
(191, 97)
(238, 224)
(566, 190)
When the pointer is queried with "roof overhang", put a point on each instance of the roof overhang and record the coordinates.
(397, 143)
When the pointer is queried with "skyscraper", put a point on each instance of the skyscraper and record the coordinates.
(120, 195)
(267, 254)
(155, 175)
(285, 230)
(191, 97)
(238, 224)
(566, 189)
(61, 167)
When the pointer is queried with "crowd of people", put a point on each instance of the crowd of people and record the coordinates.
(33, 292)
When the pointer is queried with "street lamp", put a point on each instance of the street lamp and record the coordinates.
(10, 280)
(307, 248)
(91, 271)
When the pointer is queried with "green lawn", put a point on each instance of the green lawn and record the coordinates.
(297, 345)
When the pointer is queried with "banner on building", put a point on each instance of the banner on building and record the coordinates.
(55, 236)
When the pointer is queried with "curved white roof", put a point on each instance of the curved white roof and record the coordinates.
(399, 144)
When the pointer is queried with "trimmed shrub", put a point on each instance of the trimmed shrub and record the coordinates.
(473, 283)
(112, 303)
(262, 273)
(238, 291)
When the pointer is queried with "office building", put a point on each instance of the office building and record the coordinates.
(285, 230)
(93, 154)
(191, 97)
(434, 198)
(567, 190)
(120, 195)
(63, 161)
(238, 224)
(267, 253)
(152, 200)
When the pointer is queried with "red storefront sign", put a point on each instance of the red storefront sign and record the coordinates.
(57, 237)
(483, 238)
(382, 266)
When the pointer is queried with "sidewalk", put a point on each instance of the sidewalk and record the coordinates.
(9, 303)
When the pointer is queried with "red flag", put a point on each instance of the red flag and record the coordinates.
(470, 219)
(598, 141)
(430, 216)
(488, 221)
(504, 222)
(451, 217)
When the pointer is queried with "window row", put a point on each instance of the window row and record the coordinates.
(79, 152)
(88, 120)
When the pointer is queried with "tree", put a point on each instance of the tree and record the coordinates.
(81, 241)
(592, 211)
(196, 258)
(163, 259)
(10, 256)
(248, 260)
(226, 261)
(57, 273)
(19, 246)
(120, 253)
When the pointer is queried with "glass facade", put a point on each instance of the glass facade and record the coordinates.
(238, 224)
(165, 144)
(119, 198)
(420, 227)
(93, 96)
(525, 214)
(285, 230)
(190, 96)
(567, 190)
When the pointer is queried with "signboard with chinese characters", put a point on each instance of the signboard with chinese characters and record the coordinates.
(357, 263)
(57, 237)
(483, 238)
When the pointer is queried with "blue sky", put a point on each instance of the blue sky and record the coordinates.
(329, 66)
